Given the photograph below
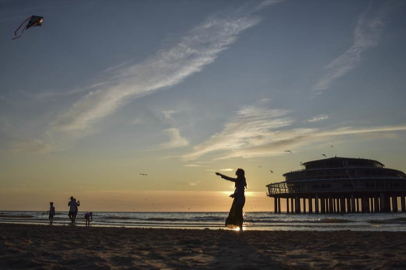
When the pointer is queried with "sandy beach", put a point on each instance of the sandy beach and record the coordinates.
(65, 247)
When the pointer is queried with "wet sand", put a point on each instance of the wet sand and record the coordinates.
(65, 247)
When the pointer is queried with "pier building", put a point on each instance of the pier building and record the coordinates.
(341, 185)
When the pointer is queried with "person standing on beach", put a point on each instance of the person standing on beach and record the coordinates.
(88, 218)
(51, 213)
(73, 209)
(235, 217)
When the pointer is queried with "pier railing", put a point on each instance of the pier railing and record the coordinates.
(337, 185)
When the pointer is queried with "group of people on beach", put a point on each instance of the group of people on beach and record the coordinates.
(73, 211)
(234, 219)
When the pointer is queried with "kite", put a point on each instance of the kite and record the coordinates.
(32, 21)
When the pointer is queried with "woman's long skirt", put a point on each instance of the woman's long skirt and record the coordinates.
(235, 216)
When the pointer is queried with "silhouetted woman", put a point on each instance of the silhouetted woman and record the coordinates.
(235, 217)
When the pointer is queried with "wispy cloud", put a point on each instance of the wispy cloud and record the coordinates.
(260, 132)
(175, 139)
(250, 128)
(168, 67)
(45, 95)
(366, 35)
(267, 3)
(30, 146)
(192, 165)
(193, 184)
(317, 118)
(220, 170)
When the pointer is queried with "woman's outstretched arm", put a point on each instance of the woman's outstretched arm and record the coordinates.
(226, 177)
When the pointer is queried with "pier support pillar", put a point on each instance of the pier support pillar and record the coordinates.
(323, 205)
(352, 204)
(385, 203)
(275, 204)
(337, 205)
(394, 204)
(365, 204)
(287, 205)
(342, 205)
(402, 203)
(310, 205)
(330, 205)
(297, 205)
(304, 205)
(316, 204)
(376, 204)
(292, 204)
(358, 205)
(279, 205)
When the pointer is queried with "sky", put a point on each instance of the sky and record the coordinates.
(105, 91)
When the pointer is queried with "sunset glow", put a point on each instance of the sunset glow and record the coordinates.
(134, 105)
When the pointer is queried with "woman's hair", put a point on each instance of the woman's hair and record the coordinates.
(240, 172)
(241, 175)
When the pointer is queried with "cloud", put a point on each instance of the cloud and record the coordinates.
(366, 35)
(220, 170)
(168, 67)
(168, 114)
(192, 165)
(267, 3)
(137, 120)
(175, 139)
(261, 132)
(193, 184)
(45, 95)
(31, 146)
(317, 118)
(249, 128)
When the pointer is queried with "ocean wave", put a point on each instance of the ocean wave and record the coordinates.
(333, 220)
(323, 220)
(388, 221)
(164, 219)
(15, 216)
(191, 219)
(209, 218)
(117, 217)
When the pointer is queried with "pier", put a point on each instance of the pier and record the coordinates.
(341, 185)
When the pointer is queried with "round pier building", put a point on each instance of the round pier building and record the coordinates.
(341, 185)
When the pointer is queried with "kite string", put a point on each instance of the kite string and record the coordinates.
(15, 32)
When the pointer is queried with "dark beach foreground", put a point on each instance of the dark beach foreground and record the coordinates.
(66, 247)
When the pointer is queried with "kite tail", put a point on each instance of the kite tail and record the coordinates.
(15, 32)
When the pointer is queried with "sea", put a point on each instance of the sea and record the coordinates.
(265, 221)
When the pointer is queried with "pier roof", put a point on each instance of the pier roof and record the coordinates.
(342, 162)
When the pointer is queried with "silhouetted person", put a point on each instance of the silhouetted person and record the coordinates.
(77, 207)
(51, 212)
(73, 209)
(235, 216)
(88, 218)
